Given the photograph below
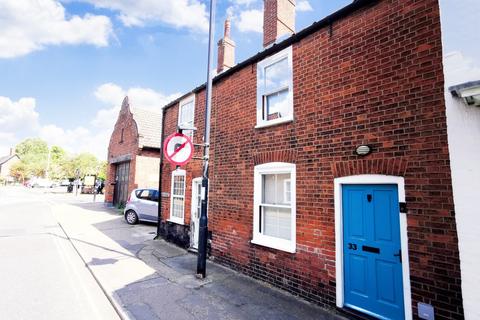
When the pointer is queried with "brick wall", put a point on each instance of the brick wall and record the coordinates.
(180, 234)
(375, 78)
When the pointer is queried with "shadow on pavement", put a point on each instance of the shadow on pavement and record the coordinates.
(174, 292)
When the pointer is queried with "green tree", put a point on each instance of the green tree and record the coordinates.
(35, 157)
(102, 174)
(19, 171)
(86, 163)
(33, 154)
(58, 159)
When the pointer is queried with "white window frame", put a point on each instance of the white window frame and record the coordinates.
(187, 100)
(261, 66)
(178, 172)
(258, 237)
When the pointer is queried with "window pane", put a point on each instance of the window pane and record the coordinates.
(186, 113)
(186, 117)
(287, 191)
(177, 207)
(277, 222)
(274, 191)
(277, 75)
(178, 185)
(277, 105)
(269, 189)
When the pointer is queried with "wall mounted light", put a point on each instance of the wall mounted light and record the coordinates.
(469, 92)
(363, 150)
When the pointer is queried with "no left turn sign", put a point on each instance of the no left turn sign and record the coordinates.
(178, 149)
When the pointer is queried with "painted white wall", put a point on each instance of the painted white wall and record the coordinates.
(461, 42)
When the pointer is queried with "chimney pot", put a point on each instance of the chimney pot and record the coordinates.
(226, 50)
(227, 28)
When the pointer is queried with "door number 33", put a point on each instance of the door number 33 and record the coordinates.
(352, 246)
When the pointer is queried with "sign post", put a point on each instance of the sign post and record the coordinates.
(203, 225)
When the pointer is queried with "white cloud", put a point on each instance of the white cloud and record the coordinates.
(17, 119)
(30, 25)
(77, 140)
(250, 21)
(149, 99)
(19, 115)
(190, 14)
(303, 5)
(110, 93)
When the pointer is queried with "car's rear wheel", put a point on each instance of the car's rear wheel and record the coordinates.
(131, 217)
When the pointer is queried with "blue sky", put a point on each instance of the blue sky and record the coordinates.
(67, 64)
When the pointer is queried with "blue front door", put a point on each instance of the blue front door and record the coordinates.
(371, 250)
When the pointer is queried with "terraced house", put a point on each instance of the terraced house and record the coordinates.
(330, 173)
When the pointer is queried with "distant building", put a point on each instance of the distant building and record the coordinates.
(133, 153)
(6, 163)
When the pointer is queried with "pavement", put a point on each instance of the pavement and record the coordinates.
(153, 279)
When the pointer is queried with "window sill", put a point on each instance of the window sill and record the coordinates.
(274, 243)
(271, 123)
(180, 222)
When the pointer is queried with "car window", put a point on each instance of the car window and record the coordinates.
(145, 194)
(148, 194)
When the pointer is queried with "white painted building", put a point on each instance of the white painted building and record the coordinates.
(461, 42)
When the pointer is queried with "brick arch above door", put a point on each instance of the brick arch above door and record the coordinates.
(389, 166)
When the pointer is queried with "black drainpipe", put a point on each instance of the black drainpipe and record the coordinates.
(160, 178)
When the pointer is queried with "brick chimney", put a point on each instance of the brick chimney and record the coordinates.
(226, 50)
(278, 20)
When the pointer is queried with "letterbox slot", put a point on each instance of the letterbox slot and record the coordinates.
(371, 249)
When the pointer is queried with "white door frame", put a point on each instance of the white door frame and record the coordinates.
(371, 179)
(193, 203)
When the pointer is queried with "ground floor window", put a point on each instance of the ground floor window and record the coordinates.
(177, 200)
(274, 221)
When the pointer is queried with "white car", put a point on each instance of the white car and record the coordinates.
(42, 183)
(142, 205)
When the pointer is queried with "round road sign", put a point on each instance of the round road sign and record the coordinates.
(178, 149)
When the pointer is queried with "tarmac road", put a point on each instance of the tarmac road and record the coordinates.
(41, 274)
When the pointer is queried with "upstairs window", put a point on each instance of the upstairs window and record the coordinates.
(186, 114)
(177, 201)
(274, 206)
(275, 89)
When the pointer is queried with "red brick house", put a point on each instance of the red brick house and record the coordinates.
(133, 153)
(330, 173)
